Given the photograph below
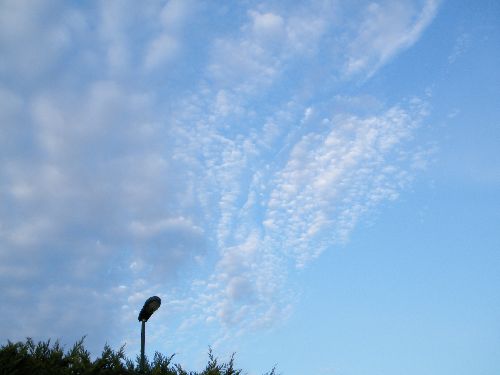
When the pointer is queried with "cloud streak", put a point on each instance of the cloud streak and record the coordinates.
(385, 30)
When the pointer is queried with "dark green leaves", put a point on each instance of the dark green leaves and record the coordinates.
(45, 358)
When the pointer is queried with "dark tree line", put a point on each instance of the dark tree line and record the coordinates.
(44, 358)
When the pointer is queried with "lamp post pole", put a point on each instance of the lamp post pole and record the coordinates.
(150, 306)
(143, 342)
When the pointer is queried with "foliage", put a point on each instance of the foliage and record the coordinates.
(44, 358)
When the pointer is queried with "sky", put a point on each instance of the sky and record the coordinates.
(310, 184)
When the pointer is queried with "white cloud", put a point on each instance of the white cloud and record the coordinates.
(175, 13)
(385, 30)
(259, 53)
(267, 26)
(91, 193)
(166, 45)
(115, 19)
(242, 65)
(118, 186)
(33, 36)
(287, 188)
(172, 224)
(304, 32)
(334, 176)
(161, 49)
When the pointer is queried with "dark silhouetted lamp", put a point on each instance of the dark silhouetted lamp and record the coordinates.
(150, 306)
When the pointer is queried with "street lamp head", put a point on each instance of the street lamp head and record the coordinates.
(150, 306)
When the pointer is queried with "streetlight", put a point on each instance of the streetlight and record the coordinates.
(150, 306)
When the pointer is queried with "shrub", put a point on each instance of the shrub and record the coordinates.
(44, 358)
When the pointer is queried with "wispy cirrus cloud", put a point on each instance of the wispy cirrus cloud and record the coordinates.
(386, 29)
(121, 182)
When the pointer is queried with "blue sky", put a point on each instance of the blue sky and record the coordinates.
(311, 184)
